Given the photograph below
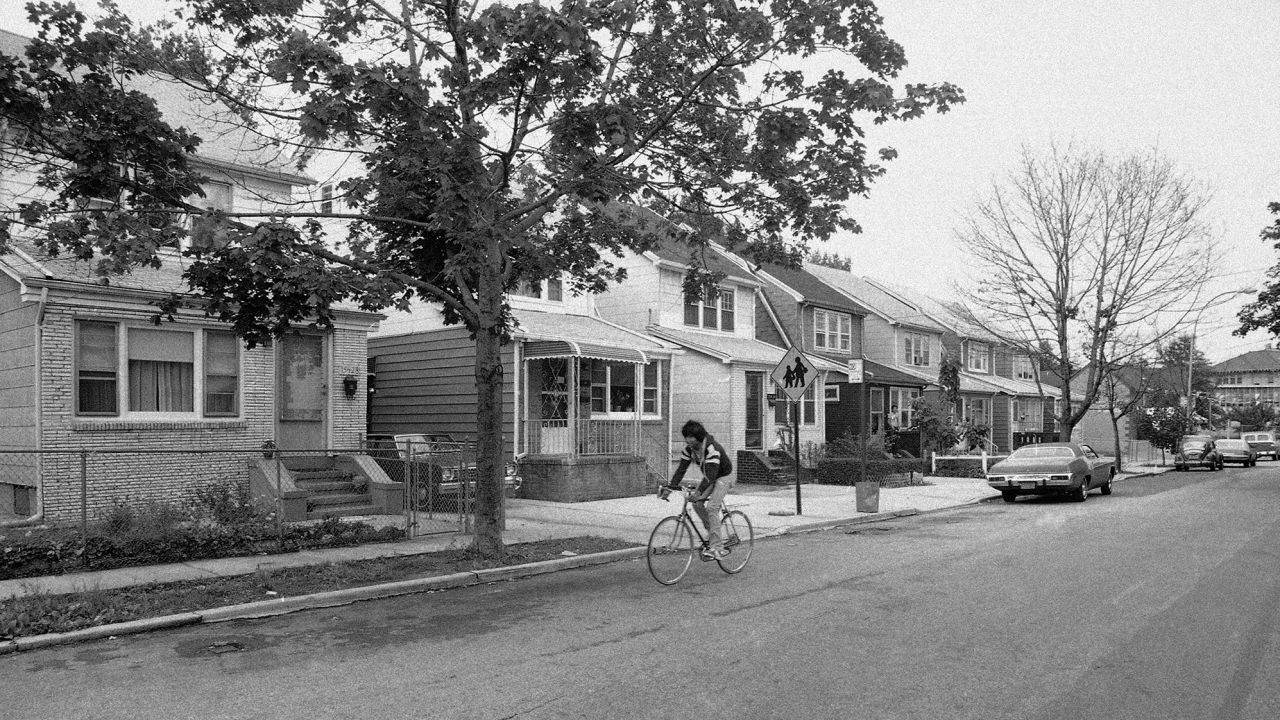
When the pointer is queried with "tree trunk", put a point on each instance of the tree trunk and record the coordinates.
(489, 416)
(1115, 434)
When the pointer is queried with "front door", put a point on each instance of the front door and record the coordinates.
(755, 411)
(303, 393)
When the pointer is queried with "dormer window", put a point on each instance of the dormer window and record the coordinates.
(551, 289)
(979, 358)
(713, 312)
(915, 349)
(831, 331)
(1023, 369)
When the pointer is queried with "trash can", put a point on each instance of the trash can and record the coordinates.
(867, 496)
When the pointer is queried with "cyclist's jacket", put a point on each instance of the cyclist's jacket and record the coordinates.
(712, 458)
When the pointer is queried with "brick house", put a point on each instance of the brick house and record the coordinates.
(1252, 377)
(84, 368)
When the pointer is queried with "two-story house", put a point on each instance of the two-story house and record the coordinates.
(1000, 386)
(1252, 377)
(731, 342)
(83, 367)
(903, 347)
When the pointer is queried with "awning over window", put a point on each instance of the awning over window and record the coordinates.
(537, 349)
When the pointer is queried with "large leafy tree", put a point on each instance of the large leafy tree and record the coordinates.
(495, 142)
(1264, 313)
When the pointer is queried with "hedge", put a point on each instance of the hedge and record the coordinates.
(889, 473)
(964, 467)
(55, 555)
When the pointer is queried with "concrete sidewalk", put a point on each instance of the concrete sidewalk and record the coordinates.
(771, 510)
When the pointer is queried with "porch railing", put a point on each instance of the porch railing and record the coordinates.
(585, 437)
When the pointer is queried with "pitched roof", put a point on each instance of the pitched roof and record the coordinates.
(535, 325)
(1253, 361)
(874, 298)
(225, 145)
(730, 348)
(812, 288)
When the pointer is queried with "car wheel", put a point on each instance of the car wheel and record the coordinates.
(1008, 495)
(1082, 492)
(1106, 487)
(1179, 468)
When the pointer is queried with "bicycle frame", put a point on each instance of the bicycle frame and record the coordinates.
(672, 538)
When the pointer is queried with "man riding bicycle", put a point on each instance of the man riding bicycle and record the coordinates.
(701, 449)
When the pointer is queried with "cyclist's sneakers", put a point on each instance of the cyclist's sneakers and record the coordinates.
(731, 541)
(713, 554)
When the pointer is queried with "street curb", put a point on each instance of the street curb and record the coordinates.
(346, 596)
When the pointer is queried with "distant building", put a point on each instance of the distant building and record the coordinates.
(1253, 377)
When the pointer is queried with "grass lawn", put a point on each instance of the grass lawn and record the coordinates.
(39, 614)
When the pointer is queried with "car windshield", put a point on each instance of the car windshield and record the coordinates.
(1232, 445)
(1194, 445)
(1041, 453)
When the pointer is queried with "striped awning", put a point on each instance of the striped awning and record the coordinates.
(536, 349)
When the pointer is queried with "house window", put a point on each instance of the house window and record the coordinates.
(901, 412)
(326, 199)
(552, 289)
(977, 410)
(831, 331)
(613, 386)
(218, 196)
(96, 369)
(221, 374)
(156, 371)
(877, 410)
(714, 311)
(915, 349)
(1022, 368)
(831, 393)
(979, 358)
(809, 405)
(161, 371)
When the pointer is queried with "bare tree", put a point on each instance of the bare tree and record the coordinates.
(1078, 258)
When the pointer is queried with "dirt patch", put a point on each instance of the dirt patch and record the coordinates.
(38, 614)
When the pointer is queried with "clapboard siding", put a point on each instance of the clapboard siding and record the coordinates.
(426, 383)
(17, 368)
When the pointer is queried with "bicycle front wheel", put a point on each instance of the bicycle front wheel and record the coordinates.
(738, 540)
(670, 550)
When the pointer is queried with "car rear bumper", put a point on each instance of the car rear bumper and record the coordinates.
(1034, 487)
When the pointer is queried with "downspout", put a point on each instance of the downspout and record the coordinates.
(519, 437)
(39, 352)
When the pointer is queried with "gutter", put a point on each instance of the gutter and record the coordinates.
(38, 518)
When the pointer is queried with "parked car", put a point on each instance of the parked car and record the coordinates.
(1264, 444)
(1071, 469)
(1237, 451)
(440, 472)
(1197, 451)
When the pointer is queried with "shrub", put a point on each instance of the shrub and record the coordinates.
(228, 502)
(890, 473)
(964, 467)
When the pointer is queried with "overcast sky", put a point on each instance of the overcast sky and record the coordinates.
(1198, 80)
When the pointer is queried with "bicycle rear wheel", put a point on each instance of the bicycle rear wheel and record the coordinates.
(670, 550)
(738, 541)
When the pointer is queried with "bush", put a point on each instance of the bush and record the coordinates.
(889, 473)
(964, 467)
(220, 522)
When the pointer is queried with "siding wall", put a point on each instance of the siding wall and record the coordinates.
(631, 303)
(426, 383)
(17, 369)
(881, 341)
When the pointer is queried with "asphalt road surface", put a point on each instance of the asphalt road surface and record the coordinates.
(1160, 601)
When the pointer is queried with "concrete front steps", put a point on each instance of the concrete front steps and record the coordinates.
(333, 492)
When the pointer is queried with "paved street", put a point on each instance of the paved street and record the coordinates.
(1160, 601)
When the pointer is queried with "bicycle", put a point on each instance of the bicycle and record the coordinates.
(671, 544)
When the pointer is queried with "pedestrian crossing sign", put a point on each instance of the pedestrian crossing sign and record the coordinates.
(794, 374)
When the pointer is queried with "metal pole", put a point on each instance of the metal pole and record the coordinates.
(279, 505)
(84, 507)
(1191, 353)
(795, 444)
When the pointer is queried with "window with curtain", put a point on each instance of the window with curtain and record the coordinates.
(614, 388)
(97, 371)
(161, 371)
(915, 349)
(1022, 368)
(831, 331)
(977, 411)
(979, 357)
(221, 374)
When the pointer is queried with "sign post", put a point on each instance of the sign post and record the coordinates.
(794, 374)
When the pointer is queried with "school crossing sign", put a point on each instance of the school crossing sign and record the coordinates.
(794, 374)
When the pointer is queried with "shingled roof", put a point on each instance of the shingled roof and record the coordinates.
(1254, 361)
